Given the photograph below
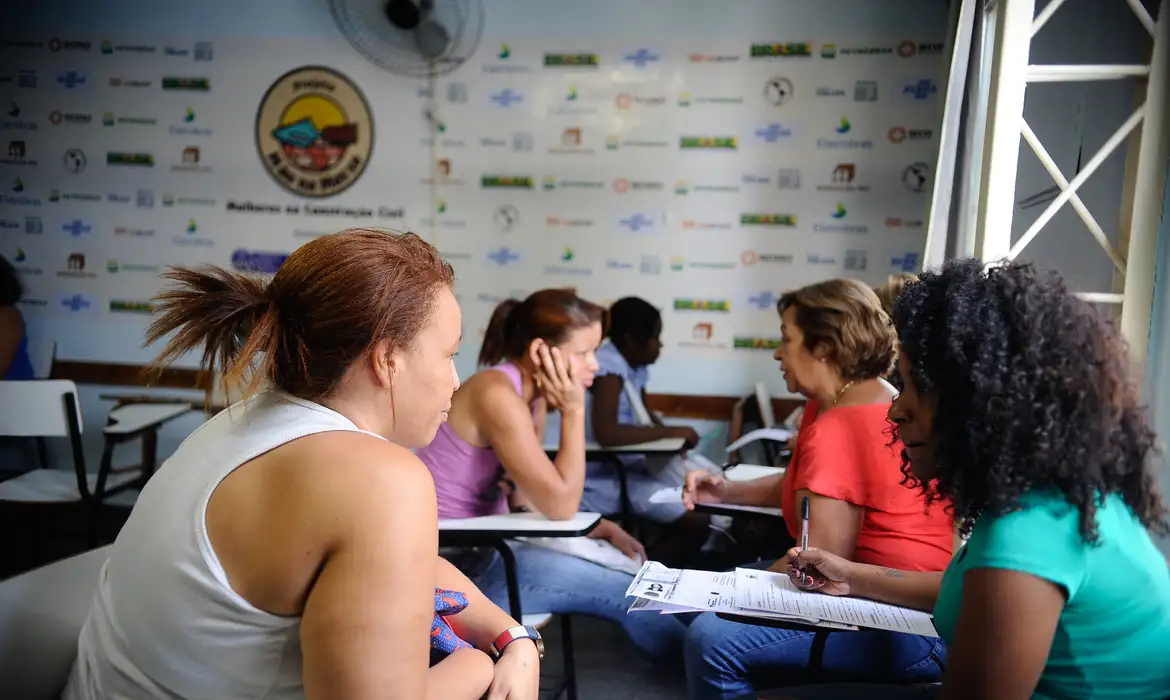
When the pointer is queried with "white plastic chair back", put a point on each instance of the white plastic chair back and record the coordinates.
(764, 399)
(37, 408)
(42, 352)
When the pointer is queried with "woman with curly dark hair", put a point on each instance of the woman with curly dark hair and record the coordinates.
(1017, 408)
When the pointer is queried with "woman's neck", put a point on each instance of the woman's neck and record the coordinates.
(527, 380)
(856, 393)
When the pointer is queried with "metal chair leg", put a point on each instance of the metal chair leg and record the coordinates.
(570, 669)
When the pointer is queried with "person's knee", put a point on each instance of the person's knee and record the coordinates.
(702, 646)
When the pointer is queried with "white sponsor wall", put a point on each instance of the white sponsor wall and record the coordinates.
(704, 176)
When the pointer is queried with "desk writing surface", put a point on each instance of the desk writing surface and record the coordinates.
(750, 472)
(520, 523)
(734, 509)
(667, 445)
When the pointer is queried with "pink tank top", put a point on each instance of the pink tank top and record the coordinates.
(467, 477)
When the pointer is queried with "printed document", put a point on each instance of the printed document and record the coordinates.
(764, 594)
(772, 592)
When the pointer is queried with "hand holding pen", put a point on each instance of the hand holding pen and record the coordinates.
(804, 514)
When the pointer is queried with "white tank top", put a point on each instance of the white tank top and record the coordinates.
(165, 623)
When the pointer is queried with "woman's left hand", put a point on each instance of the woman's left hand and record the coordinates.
(611, 532)
(517, 673)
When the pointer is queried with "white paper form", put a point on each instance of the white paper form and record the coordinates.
(773, 434)
(774, 593)
(667, 494)
(685, 588)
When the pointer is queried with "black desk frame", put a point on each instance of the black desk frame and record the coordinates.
(498, 540)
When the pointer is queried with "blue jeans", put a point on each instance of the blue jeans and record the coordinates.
(726, 660)
(552, 582)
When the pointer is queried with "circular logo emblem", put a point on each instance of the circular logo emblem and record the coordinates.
(54, 44)
(897, 134)
(778, 91)
(915, 175)
(624, 101)
(621, 185)
(314, 132)
(74, 160)
(907, 49)
(507, 217)
(749, 257)
(55, 117)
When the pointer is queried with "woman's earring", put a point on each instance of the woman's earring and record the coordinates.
(538, 382)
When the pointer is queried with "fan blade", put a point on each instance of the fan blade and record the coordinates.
(432, 40)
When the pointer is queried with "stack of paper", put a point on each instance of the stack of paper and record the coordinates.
(764, 594)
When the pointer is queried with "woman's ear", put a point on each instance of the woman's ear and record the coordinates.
(534, 351)
(382, 361)
(821, 352)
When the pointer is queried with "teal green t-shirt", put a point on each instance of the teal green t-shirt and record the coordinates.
(1113, 636)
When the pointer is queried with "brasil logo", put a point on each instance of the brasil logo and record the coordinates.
(314, 132)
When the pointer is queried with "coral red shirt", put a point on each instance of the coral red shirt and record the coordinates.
(845, 455)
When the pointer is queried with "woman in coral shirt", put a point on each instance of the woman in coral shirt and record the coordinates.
(836, 342)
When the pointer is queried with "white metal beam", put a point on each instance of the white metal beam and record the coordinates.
(1005, 112)
(1076, 73)
(1091, 167)
(1074, 198)
(1149, 189)
(1102, 297)
(1010, 73)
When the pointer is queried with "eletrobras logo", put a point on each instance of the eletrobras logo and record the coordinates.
(310, 209)
(314, 132)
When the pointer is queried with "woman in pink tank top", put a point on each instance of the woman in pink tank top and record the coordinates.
(538, 355)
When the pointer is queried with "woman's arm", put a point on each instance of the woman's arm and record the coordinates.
(833, 524)
(366, 623)
(836, 575)
(910, 589)
(11, 331)
(517, 672)
(764, 492)
(1007, 620)
(607, 392)
(465, 674)
(483, 620)
(505, 422)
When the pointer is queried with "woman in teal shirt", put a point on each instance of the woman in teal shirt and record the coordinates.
(1018, 410)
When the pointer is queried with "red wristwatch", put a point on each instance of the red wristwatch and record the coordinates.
(512, 634)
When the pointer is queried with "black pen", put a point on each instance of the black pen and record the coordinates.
(803, 531)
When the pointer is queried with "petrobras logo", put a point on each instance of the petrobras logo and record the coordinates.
(263, 262)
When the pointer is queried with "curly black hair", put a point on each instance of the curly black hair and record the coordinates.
(1031, 392)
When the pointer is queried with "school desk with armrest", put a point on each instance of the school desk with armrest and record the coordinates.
(494, 531)
(597, 453)
(743, 472)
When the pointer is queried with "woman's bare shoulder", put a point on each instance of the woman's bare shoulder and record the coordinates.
(349, 470)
